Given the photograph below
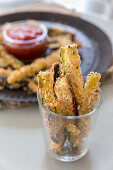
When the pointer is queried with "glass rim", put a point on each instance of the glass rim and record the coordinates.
(72, 117)
(11, 40)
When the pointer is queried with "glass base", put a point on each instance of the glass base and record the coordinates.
(68, 158)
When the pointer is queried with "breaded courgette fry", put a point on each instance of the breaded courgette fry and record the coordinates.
(10, 59)
(32, 69)
(56, 126)
(64, 92)
(70, 61)
(91, 91)
(64, 107)
(16, 85)
(56, 147)
(73, 134)
(26, 71)
(5, 72)
(58, 41)
(3, 63)
(4, 84)
(45, 86)
(55, 31)
(56, 129)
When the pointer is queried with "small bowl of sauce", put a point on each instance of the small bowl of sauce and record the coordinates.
(26, 40)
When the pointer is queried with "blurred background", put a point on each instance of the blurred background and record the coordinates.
(104, 8)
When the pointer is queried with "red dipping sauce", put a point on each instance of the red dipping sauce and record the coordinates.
(26, 40)
(24, 33)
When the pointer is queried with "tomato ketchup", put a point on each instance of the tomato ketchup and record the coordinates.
(25, 40)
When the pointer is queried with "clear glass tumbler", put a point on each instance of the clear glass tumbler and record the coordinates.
(67, 138)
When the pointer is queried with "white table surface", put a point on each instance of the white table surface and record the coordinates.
(21, 139)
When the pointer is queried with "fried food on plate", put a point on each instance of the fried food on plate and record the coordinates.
(31, 70)
(10, 59)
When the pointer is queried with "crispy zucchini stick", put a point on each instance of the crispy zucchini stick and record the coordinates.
(57, 31)
(45, 86)
(26, 71)
(56, 147)
(3, 63)
(64, 92)
(90, 95)
(91, 91)
(70, 61)
(63, 107)
(16, 85)
(33, 68)
(73, 134)
(10, 59)
(61, 40)
(5, 72)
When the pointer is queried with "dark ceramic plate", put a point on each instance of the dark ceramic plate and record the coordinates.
(96, 58)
